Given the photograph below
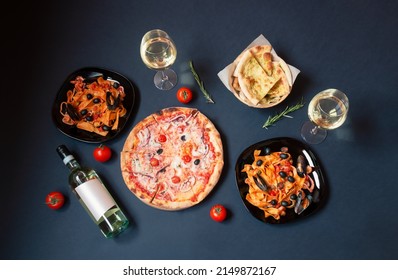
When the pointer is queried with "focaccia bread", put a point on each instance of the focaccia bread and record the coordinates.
(260, 79)
(254, 81)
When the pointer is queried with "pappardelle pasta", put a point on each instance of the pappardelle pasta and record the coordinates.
(94, 106)
(276, 185)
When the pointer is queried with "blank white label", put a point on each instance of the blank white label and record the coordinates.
(96, 197)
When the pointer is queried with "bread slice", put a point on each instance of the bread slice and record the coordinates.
(264, 57)
(254, 81)
(279, 91)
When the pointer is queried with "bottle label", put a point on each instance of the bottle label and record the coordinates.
(96, 197)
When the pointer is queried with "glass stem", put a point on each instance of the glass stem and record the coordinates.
(164, 76)
(314, 130)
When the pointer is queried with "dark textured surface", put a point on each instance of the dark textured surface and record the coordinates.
(350, 45)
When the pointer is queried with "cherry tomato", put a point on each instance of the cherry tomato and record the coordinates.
(175, 179)
(162, 138)
(184, 95)
(218, 213)
(154, 161)
(272, 193)
(186, 158)
(55, 200)
(102, 153)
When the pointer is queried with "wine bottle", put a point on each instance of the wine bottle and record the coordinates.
(94, 196)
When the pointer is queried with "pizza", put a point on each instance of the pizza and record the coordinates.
(260, 79)
(173, 158)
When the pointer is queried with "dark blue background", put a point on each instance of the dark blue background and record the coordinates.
(349, 45)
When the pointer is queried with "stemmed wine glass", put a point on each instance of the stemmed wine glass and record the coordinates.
(327, 110)
(159, 52)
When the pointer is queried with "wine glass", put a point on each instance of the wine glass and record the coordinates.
(327, 110)
(159, 52)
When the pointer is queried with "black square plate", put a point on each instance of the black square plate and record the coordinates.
(92, 73)
(296, 148)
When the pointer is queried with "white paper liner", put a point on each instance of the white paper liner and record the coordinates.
(225, 75)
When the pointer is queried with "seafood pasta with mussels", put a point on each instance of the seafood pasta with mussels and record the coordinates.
(276, 185)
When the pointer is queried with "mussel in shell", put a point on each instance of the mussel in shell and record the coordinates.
(301, 166)
(72, 112)
(261, 183)
(111, 102)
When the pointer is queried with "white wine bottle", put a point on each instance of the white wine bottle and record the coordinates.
(93, 196)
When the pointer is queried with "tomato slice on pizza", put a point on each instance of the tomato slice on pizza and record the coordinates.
(173, 158)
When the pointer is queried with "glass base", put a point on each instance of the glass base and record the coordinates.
(313, 134)
(165, 79)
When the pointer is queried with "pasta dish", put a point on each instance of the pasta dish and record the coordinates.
(95, 107)
(276, 185)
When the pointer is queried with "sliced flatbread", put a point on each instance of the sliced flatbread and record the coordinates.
(254, 81)
(279, 91)
(264, 57)
(286, 70)
(278, 82)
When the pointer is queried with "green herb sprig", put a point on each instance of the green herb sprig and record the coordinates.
(272, 120)
(200, 83)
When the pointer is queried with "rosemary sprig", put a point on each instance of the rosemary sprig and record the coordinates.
(272, 120)
(200, 83)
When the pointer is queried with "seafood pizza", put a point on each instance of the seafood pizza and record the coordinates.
(173, 158)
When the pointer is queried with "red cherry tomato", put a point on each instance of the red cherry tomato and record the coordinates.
(102, 153)
(218, 213)
(154, 161)
(186, 158)
(184, 95)
(162, 138)
(55, 200)
(175, 179)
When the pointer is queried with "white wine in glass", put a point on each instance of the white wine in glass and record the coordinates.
(327, 110)
(158, 52)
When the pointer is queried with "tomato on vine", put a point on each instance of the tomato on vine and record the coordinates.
(102, 153)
